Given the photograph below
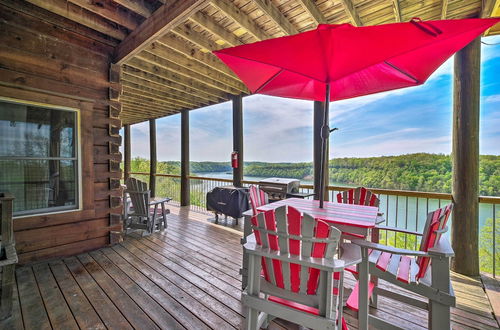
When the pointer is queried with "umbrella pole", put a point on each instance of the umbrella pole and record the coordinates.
(325, 133)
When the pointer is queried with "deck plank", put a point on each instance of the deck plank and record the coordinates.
(132, 312)
(82, 310)
(32, 307)
(154, 310)
(186, 277)
(158, 293)
(59, 313)
(104, 307)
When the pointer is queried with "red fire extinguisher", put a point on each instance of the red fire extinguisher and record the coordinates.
(234, 159)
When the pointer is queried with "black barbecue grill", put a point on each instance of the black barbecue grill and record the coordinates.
(229, 201)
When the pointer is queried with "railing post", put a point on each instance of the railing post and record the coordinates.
(319, 108)
(238, 138)
(152, 157)
(127, 155)
(465, 159)
(185, 200)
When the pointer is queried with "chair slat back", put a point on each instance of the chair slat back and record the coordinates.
(436, 221)
(139, 195)
(258, 197)
(358, 196)
(296, 234)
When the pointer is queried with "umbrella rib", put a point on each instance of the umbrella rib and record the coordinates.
(284, 69)
(268, 81)
(402, 71)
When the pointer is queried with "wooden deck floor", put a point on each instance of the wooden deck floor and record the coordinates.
(186, 277)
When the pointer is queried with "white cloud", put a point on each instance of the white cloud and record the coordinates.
(492, 99)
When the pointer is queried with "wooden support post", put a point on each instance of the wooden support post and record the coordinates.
(185, 200)
(319, 108)
(465, 159)
(127, 154)
(152, 157)
(238, 138)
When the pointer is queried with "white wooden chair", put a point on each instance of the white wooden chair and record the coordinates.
(292, 262)
(144, 213)
(425, 272)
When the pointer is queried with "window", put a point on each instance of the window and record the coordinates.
(39, 157)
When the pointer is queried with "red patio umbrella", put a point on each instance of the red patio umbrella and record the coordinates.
(335, 62)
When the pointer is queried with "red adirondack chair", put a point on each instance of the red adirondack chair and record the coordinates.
(296, 287)
(258, 197)
(358, 196)
(425, 272)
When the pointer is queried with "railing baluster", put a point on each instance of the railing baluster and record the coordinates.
(494, 240)
(416, 223)
(396, 234)
(406, 220)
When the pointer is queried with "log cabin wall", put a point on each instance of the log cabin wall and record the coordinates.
(48, 59)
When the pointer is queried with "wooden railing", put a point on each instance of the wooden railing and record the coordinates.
(402, 208)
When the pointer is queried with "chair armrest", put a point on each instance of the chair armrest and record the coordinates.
(350, 254)
(384, 248)
(442, 248)
(159, 201)
(331, 265)
(399, 230)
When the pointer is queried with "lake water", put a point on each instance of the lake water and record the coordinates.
(403, 212)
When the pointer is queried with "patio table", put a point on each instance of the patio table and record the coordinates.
(348, 218)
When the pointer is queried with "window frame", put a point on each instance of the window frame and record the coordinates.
(77, 158)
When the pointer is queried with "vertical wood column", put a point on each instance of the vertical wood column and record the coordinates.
(127, 154)
(319, 108)
(152, 157)
(238, 138)
(465, 159)
(185, 199)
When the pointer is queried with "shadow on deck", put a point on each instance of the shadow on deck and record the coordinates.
(185, 277)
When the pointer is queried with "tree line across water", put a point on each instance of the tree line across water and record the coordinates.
(417, 172)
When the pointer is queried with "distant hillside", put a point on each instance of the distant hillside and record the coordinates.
(421, 171)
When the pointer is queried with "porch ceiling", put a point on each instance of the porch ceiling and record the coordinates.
(173, 69)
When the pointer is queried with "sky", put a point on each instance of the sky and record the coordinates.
(416, 119)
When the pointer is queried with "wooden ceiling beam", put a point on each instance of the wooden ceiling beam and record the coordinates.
(137, 90)
(216, 29)
(171, 80)
(160, 84)
(154, 93)
(189, 74)
(189, 83)
(444, 9)
(276, 16)
(243, 20)
(207, 59)
(162, 20)
(112, 13)
(147, 107)
(140, 7)
(189, 63)
(82, 16)
(313, 11)
(130, 94)
(351, 12)
(187, 33)
(488, 7)
(397, 11)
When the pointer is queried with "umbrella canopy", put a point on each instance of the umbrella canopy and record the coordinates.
(335, 62)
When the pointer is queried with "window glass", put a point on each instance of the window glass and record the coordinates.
(38, 157)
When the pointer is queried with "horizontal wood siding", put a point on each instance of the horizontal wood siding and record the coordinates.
(49, 59)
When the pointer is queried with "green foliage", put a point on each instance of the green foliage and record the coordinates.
(487, 248)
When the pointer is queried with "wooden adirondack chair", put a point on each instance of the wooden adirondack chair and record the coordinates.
(358, 196)
(144, 212)
(258, 198)
(425, 272)
(297, 256)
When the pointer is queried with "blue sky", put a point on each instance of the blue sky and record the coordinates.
(416, 119)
